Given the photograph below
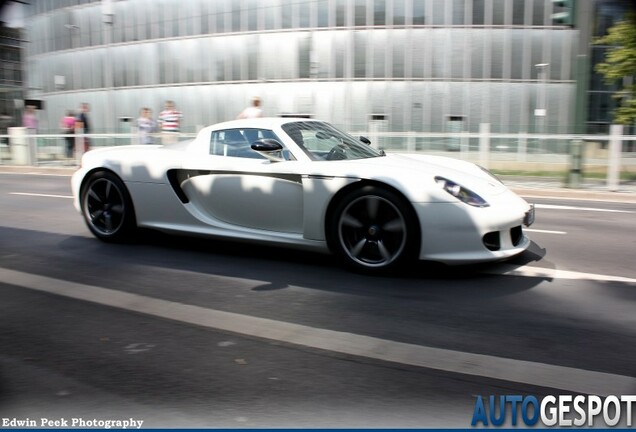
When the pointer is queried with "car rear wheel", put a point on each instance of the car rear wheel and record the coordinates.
(374, 230)
(107, 207)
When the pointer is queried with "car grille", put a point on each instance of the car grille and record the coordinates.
(492, 240)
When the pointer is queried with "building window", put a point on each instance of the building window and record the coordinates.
(341, 13)
(323, 13)
(399, 13)
(360, 55)
(418, 13)
(379, 12)
(360, 12)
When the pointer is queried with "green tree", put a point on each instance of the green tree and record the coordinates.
(620, 67)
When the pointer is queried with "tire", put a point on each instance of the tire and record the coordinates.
(374, 230)
(107, 208)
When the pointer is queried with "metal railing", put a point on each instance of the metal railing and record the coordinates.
(524, 152)
(607, 155)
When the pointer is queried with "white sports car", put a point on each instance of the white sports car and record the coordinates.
(304, 184)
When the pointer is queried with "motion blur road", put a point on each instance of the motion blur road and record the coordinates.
(179, 332)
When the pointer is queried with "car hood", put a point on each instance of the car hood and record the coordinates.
(420, 168)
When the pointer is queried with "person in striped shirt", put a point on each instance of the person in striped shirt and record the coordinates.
(170, 120)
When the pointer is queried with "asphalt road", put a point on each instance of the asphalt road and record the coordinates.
(180, 332)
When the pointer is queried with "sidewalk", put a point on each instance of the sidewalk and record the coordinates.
(545, 187)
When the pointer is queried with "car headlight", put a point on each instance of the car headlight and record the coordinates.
(461, 193)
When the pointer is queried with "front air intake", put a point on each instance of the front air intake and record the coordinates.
(492, 241)
(516, 235)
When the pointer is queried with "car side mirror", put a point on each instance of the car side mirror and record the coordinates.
(270, 148)
(365, 140)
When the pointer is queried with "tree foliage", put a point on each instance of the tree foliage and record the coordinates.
(619, 66)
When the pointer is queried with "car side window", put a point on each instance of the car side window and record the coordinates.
(232, 143)
(237, 142)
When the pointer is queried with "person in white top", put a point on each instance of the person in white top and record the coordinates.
(147, 126)
(253, 111)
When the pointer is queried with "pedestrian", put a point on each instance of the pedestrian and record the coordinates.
(170, 122)
(146, 126)
(84, 124)
(30, 120)
(67, 125)
(253, 111)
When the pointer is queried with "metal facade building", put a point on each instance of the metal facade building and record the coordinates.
(410, 65)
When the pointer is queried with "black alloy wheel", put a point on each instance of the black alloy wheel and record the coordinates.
(374, 230)
(107, 207)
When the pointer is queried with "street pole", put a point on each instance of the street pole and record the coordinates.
(541, 110)
(107, 17)
(584, 15)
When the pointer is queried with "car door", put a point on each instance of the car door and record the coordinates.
(236, 187)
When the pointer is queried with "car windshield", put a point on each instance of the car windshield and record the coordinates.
(322, 141)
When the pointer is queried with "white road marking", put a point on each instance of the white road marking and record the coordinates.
(136, 348)
(519, 371)
(40, 195)
(549, 273)
(562, 207)
(544, 231)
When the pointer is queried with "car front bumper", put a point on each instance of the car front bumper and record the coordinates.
(456, 233)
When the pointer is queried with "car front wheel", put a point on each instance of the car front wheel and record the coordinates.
(374, 230)
(107, 207)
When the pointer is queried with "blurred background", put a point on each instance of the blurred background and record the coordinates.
(369, 66)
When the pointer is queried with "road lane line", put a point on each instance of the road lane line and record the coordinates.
(40, 195)
(544, 231)
(550, 273)
(562, 207)
(519, 371)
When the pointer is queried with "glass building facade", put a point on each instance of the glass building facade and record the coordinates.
(11, 83)
(409, 65)
(600, 100)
